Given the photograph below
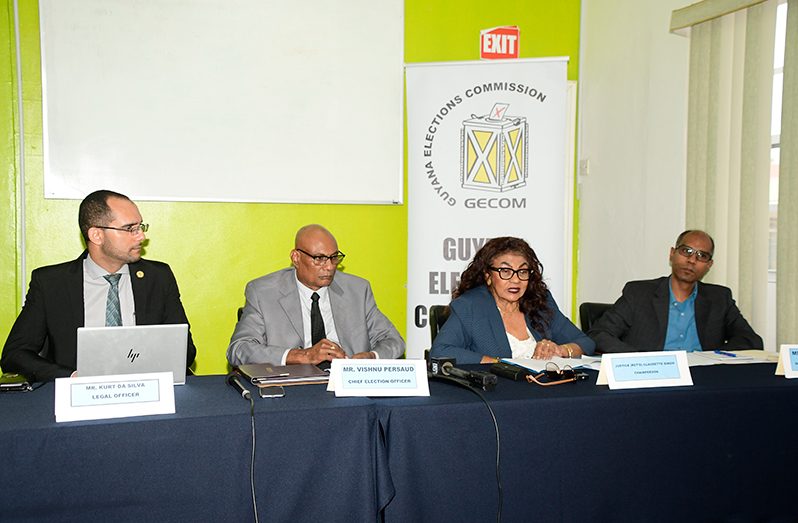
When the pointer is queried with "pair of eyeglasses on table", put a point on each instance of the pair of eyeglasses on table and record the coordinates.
(554, 375)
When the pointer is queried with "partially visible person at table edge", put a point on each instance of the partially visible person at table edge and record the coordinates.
(503, 309)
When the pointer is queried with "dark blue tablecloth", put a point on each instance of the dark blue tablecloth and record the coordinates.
(718, 451)
(318, 458)
(722, 450)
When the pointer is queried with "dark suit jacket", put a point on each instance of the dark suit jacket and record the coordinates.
(475, 328)
(53, 311)
(639, 319)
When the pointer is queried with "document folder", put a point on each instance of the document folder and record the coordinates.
(266, 374)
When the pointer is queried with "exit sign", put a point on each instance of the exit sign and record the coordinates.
(499, 42)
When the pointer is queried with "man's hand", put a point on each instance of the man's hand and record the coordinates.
(325, 350)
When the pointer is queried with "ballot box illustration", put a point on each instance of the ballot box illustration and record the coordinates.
(494, 151)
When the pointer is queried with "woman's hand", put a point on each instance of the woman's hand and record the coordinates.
(547, 349)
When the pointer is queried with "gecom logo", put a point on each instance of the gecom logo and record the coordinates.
(494, 149)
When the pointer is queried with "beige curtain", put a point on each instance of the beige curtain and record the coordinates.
(787, 245)
(728, 148)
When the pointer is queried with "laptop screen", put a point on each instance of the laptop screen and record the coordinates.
(131, 350)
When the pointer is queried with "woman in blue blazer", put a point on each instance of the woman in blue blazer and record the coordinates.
(503, 309)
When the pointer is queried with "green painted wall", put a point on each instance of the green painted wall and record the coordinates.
(444, 30)
(215, 248)
(8, 154)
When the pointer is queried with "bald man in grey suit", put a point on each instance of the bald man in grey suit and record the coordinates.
(275, 326)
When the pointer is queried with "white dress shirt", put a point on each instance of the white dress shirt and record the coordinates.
(95, 294)
(326, 314)
(305, 303)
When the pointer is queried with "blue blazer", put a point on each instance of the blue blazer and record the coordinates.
(475, 328)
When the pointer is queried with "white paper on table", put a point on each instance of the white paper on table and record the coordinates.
(702, 358)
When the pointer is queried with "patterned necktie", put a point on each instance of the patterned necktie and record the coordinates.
(316, 322)
(113, 315)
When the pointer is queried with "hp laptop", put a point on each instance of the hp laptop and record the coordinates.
(131, 350)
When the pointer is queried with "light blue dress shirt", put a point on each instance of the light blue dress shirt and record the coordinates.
(682, 333)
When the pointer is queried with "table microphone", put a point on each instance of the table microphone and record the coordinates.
(485, 380)
(233, 381)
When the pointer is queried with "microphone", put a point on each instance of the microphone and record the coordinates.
(485, 380)
(233, 381)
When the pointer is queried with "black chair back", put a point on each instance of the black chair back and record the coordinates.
(590, 312)
(438, 314)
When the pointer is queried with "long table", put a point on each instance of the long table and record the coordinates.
(722, 450)
(718, 451)
(318, 458)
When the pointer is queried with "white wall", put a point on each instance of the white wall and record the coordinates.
(632, 131)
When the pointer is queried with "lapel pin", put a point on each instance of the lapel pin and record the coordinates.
(139, 274)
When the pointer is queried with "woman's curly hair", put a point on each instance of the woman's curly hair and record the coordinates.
(533, 302)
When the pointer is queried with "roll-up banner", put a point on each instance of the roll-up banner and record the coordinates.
(487, 157)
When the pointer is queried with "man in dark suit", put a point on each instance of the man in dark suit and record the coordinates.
(42, 344)
(676, 312)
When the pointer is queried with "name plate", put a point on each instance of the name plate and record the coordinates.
(116, 396)
(350, 377)
(639, 370)
(788, 361)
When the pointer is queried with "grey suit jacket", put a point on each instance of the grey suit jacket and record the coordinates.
(639, 319)
(271, 321)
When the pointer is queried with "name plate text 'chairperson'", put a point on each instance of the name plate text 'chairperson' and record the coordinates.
(638, 370)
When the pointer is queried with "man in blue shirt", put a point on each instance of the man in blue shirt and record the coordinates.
(676, 312)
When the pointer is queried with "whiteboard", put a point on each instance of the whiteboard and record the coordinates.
(224, 100)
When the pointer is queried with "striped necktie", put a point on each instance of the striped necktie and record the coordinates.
(113, 315)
